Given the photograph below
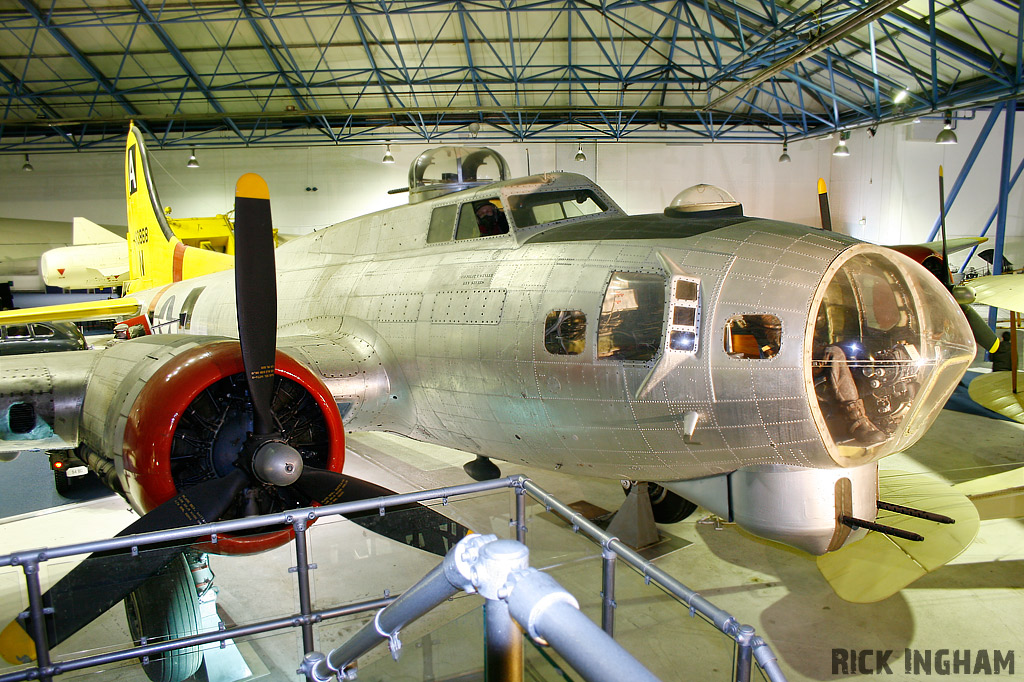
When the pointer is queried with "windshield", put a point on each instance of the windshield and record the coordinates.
(544, 208)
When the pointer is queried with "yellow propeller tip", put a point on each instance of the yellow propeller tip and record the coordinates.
(252, 186)
(821, 186)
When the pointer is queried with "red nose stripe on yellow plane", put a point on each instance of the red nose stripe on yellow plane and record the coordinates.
(179, 262)
(252, 186)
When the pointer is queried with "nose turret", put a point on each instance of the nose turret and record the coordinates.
(885, 348)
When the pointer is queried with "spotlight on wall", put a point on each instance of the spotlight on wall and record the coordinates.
(946, 135)
(192, 163)
(841, 148)
(28, 166)
(388, 157)
(784, 158)
(580, 156)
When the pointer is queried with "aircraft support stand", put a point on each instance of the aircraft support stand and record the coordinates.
(634, 523)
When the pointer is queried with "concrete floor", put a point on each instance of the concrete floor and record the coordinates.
(976, 603)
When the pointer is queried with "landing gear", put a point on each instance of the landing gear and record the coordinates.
(166, 607)
(666, 505)
(482, 469)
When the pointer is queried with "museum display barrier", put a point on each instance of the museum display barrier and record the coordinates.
(283, 618)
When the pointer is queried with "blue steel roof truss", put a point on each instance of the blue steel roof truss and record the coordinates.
(366, 71)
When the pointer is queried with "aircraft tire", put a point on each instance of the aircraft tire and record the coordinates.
(666, 505)
(166, 607)
(61, 482)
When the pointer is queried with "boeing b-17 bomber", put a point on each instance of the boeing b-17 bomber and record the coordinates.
(757, 368)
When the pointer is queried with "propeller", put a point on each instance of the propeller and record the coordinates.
(983, 334)
(266, 459)
(826, 214)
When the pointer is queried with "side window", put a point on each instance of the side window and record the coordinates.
(17, 331)
(632, 317)
(753, 337)
(565, 332)
(484, 218)
(41, 331)
(684, 323)
(442, 224)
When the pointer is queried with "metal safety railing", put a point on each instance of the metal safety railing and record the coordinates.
(748, 648)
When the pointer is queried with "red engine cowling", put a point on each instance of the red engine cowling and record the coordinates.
(927, 257)
(189, 420)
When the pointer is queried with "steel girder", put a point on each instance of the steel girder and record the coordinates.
(318, 72)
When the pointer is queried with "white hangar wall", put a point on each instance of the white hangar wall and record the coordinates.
(885, 191)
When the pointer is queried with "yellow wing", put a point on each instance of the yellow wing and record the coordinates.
(994, 391)
(86, 310)
(878, 566)
(998, 291)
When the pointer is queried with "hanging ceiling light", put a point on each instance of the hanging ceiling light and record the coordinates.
(580, 156)
(474, 128)
(946, 135)
(192, 163)
(841, 148)
(784, 158)
(901, 96)
(28, 166)
(388, 157)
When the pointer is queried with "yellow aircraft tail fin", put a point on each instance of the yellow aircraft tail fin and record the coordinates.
(156, 256)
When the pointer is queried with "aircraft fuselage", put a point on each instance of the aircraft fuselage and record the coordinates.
(458, 346)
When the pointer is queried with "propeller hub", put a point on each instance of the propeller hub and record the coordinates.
(277, 463)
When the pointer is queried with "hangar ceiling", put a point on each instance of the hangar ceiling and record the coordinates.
(215, 73)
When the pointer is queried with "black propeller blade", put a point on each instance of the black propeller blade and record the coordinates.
(104, 579)
(256, 294)
(412, 524)
(823, 209)
(983, 334)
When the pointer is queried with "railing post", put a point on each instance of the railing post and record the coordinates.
(302, 571)
(608, 590)
(36, 614)
(744, 635)
(503, 651)
(521, 514)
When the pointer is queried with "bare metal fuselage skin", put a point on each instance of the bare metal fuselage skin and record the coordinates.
(445, 342)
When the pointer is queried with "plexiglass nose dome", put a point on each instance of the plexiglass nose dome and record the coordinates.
(443, 170)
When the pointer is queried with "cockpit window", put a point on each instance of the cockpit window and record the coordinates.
(484, 218)
(632, 317)
(442, 224)
(541, 208)
(565, 332)
(753, 337)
